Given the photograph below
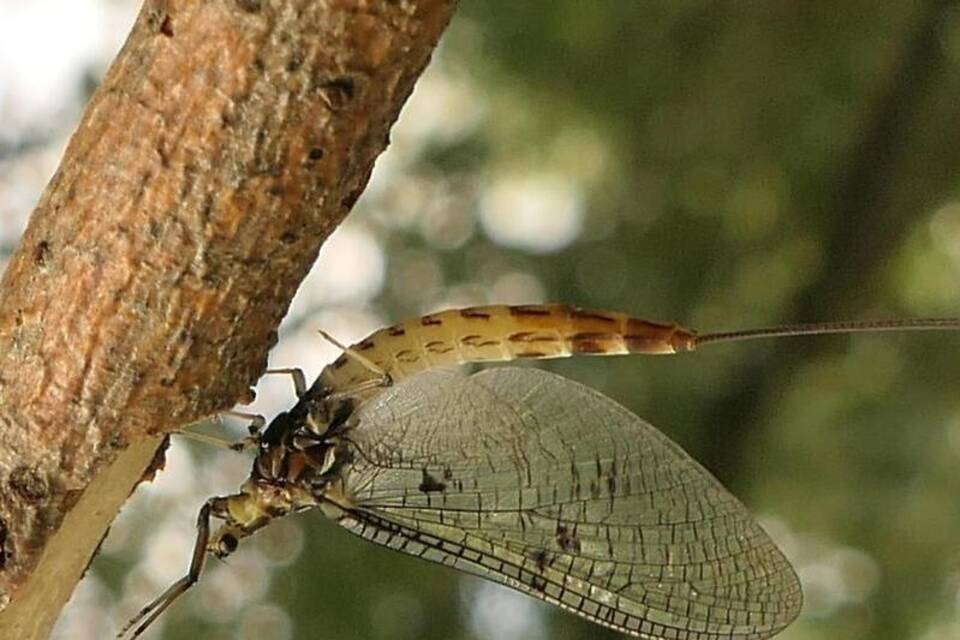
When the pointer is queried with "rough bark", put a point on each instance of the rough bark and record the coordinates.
(228, 139)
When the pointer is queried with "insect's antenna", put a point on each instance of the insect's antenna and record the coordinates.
(825, 328)
(152, 611)
(353, 353)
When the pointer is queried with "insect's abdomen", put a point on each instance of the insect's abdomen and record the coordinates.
(500, 333)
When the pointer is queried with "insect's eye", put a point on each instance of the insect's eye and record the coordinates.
(228, 544)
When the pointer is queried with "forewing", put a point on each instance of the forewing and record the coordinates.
(537, 482)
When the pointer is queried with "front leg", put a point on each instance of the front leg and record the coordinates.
(299, 380)
(152, 611)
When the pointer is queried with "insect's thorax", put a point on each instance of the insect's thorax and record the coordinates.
(301, 463)
(304, 445)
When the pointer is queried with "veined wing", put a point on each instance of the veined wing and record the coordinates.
(539, 483)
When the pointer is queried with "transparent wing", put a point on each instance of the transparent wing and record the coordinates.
(539, 483)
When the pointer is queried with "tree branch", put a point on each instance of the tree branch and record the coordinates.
(227, 141)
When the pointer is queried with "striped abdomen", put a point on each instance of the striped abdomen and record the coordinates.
(500, 333)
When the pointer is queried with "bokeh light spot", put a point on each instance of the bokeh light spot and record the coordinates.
(538, 213)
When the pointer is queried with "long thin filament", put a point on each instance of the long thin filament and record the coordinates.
(825, 328)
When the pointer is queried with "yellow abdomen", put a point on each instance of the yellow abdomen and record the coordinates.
(499, 333)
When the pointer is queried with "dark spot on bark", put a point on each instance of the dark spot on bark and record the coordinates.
(70, 499)
(166, 26)
(162, 154)
(206, 209)
(250, 6)
(259, 64)
(190, 173)
(431, 484)
(474, 313)
(276, 191)
(295, 61)
(272, 339)
(259, 141)
(351, 198)
(42, 253)
(116, 441)
(337, 92)
(48, 519)
(166, 382)
(28, 484)
(396, 331)
(316, 154)
(447, 474)
(528, 310)
(4, 554)
(288, 237)
(142, 187)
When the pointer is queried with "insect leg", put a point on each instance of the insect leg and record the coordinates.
(381, 381)
(251, 442)
(152, 611)
(256, 421)
(356, 355)
(299, 381)
(213, 440)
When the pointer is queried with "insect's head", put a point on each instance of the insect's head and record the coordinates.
(242, 514)
(254, 507)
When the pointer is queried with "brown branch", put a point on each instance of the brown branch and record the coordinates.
(227, 141)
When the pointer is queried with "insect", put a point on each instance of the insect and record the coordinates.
(518, 475)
